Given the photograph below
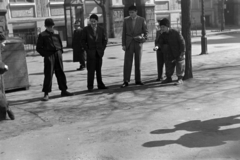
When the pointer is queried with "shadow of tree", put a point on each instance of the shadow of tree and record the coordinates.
(205, 133)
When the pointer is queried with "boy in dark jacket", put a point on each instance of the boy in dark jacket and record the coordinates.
(94, 41)
(49, 45)
(173, 47)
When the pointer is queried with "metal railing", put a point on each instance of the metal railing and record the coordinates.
(29, 40)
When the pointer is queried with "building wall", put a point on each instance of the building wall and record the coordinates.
(212, 10)
(170, 9)
(3, 23)
(209, 9)
(27, 16)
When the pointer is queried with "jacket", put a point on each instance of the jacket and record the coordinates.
(93, 44)
(175, 42)
(128, 33)
(48, 43)
(76, 44)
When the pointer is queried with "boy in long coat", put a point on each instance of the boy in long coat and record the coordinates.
(78, 52)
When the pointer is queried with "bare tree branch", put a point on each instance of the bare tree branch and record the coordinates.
(97, 2)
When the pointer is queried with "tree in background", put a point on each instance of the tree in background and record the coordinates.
(102, 5)
(222, 6)
(186, 32)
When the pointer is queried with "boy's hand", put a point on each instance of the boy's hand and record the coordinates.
(155, 48)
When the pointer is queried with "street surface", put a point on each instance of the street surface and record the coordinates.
(197, 120)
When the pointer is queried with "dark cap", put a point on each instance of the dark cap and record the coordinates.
(77, 22)
(94, 16)
(164, 22)
(132, 8)
(49, 22)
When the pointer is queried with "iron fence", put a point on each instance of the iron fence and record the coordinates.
(29, 40)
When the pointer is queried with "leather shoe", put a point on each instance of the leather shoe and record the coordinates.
(125, 84)
(159, 79)
(179, 81)
(103, 87)
(66, 94)
(81, 68)
(167, 80)
(10, 114)
(139, 83)
(90, 89)
(45, 98)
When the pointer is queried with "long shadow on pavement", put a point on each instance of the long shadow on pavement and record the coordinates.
(31, 100)
(112, 89)
(41, 73)
(132, 87)
(205, 133)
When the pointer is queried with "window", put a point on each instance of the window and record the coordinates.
(56, 0)
(21, 1)
(159, 6)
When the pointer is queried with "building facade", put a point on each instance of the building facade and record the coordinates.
(26, 17)
(213, 10)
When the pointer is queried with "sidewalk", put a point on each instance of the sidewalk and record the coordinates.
(197, 120)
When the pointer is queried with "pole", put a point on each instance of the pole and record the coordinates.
(222, 15)
(203, 38)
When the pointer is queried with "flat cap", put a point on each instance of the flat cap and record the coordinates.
(49, 22)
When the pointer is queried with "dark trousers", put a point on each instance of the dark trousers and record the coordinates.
(3, 105)
(160, 63)
(94, 64)
(135, 49)
(82, 58)
(53, 64)
(180, 67)
(171, 63)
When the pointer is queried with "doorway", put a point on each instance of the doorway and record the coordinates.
(229, 12)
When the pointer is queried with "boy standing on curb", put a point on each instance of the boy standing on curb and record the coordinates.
(49, 45)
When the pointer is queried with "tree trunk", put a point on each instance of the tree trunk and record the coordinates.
(104, 19)
(186, 32)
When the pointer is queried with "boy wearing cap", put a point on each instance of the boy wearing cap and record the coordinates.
(78, 52)
(173, 47)
(134, 35)
(94, 42)
(49, 46)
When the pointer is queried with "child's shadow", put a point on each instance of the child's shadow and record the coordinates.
(205, 133)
